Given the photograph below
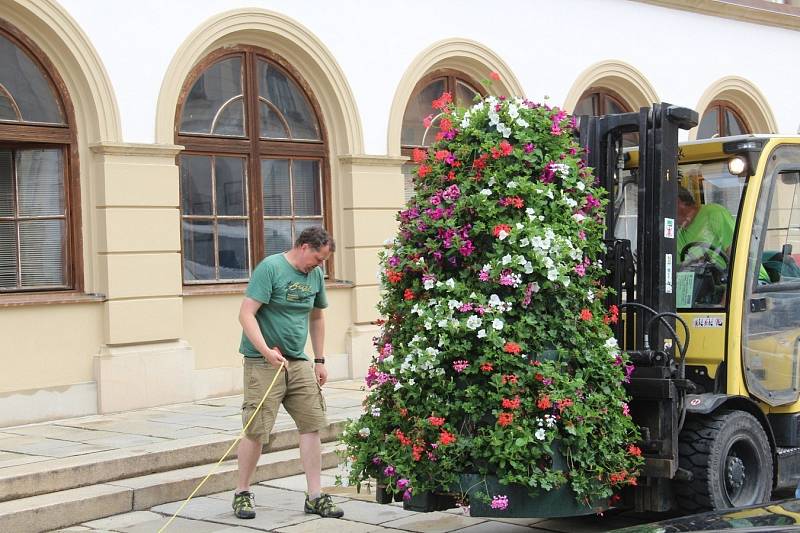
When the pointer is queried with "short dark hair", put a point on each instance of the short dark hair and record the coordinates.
(685, 197)
(316, 237)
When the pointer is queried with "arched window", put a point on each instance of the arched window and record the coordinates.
(414, 134)
(597, 101)
(39, 189)
(255, 170)
(721, 119)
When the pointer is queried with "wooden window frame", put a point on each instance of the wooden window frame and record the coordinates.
(17, 136)
(253, 148)
(452, 77)
(599, 103)
(722, 120)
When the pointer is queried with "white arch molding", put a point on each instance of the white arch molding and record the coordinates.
(618, 76)
(467, 56)
(745, 97)
(287, 38)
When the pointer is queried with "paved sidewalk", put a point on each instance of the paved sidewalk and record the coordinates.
(51, 443)
(279, 504)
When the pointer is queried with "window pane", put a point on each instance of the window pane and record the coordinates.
(275, 177)
(709, 124)
(7, 111)
(585, 106)
(301, 224)
(6, 185)
(231, 188)
(289, 100)
(198, 250)
(272, 127)
(230, 119)
(41, 253)
(196, 196)
(233, 246)
(419, 107)
(277, 236)
(307, 193)
(8, 255)
(465, 95)
(40, 182)
(28, 85)
(734, 125)
(220, 83)
(612, 106)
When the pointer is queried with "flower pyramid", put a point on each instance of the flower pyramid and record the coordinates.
(496, 352)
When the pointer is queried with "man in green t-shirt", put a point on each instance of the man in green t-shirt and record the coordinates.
(282, 305)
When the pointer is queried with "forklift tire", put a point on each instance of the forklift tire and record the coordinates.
(730, 459)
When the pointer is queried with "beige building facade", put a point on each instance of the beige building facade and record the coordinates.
(125, 248)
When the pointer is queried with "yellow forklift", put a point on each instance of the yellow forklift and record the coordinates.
(712, 325)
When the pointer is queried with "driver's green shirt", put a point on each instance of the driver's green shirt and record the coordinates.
(713, 225)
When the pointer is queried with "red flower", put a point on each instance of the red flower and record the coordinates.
(441, 155)
(416, 452)
(423, 170)
(563, 404)
(427, 121)
(496, 153)
(405, 441)
(445, 124)
(394, 276)
(586, 314)
(511, 404)
(505, 147)
(538, 377)
(512, 348)
(446, 438)
(403, 412)
(442, 101)
(494, 75)
(505, 419)
(451, 176)
(634, 450)
(510, 378)
(617, 477)
(408, 294)
(419, 155)
(487, 367)
(480, 162)
(544, 403)
(436, 421)
(501, 227)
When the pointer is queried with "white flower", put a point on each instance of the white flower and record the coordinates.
(486, 192)
(578, 217)
(450, 283)
(429, 283)
(570, 202)
(497, 324)
(520, 225)
(411, 382)
(511, 184)
(580, 185)
(513, 111)
(491, 181)
(502, 234)
(495, 301)
(521, 122)
(481, 333)
(549, 193)
(465, 121)
(590, 295)
(364, 432)
(528, 210)
(528, 268)
(539, 434)
(474, 322)
(552, 274)
(428, 325)
(442, 323)
(376, 411)
(452, 304)
(432, 351)
(524, 242)
(506, 259)
(534, 287)
(398, 386)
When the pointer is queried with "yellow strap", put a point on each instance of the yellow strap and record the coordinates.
(278, 373)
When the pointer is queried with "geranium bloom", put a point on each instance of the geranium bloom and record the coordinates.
(441, 155)
(446, 438)
(487, 367)
(394, 276)
(512, 348)
(408, 294)
(501, 231)
(436, 421)
(442, 101)
(544, 403)
(505, 419)
(625, 409)
(510, 378)
(460, 365)
(586, 314)
(506, 148)
(445, 124)
(419, 155)
(511, 404)
(423, 170)
(405, 441)
(634, 450)
(416, 452)
(500, 503)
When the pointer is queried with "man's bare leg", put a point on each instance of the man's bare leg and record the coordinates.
(249, 452)
(311, 457)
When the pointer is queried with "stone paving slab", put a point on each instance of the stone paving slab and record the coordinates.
(433, 522)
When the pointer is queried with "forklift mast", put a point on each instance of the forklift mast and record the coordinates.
(644, 285)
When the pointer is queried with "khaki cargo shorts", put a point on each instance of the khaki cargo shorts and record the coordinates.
(296, 388)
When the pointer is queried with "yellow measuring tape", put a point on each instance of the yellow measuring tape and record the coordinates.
(278, 373)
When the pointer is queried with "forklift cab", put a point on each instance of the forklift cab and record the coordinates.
(712, 324)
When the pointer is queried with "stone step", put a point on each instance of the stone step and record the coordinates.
(46, 512)
(62, 474)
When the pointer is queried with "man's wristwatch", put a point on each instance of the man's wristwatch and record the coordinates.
(320, 361)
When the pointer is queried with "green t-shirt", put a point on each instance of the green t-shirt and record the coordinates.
(287, 296)
(714, 225)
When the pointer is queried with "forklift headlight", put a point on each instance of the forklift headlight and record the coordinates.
(737, 165)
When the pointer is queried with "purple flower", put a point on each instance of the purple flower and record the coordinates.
(376, 460)
(507, 278)
(465, 308)
(452, 193)
(548, 173)
(407, 494)
(529, 148)
(466, 249)
(394, 261)
(436, 199)
(389, 471)
(628, 371)
(483, 275)
(402, 483)
(500, 502)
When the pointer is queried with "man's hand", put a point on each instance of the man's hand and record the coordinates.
(274, 356)
(322, 374)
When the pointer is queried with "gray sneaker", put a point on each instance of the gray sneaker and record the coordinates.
(323, 506)
(244, 504)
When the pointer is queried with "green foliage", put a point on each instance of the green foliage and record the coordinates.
(496, 347)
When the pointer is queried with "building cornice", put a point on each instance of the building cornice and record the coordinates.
(754, 11)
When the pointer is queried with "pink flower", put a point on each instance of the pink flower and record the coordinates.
(460, 365)
(580, 270)
(483, 275)
(625, 409)
(500, 502)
